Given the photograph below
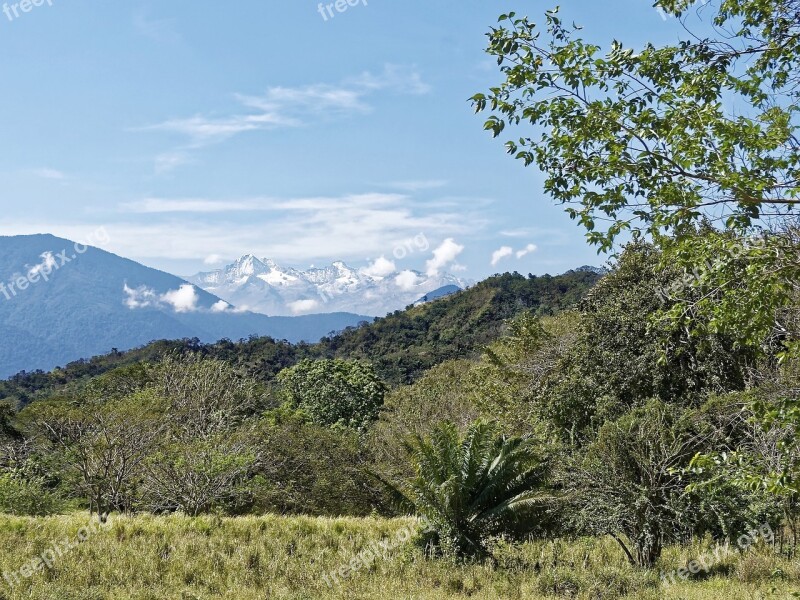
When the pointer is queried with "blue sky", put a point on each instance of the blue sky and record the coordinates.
(195, 132)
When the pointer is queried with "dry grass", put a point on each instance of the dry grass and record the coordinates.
(249, 558)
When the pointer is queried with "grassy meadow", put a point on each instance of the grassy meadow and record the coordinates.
(249, 558)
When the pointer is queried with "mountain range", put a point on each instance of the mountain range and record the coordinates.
(60, 301)
(262, 285)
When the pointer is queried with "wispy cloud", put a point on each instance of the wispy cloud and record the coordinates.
(320, 203)
(395, 77)
(283, 107)
(202, 131)
(158, 30)
(196, 206)
(350, 227)
(47, 173)
(516, 233)
(417, 186)
(169, 161)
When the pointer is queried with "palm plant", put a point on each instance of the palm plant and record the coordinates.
(472, 488)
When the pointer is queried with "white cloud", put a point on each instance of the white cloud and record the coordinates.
(189, 205)
(45, 267)
(501, 253)
(213, 259)
(169, 161)
(184, 299)
(515, 233)
(300, 230)
(529, 249)
(400, 78)
(140, 297)
(442, 256)
(381, 267)
(220, 306)
(303, 306)
(307, 100)
(202, 131)
(407, 280)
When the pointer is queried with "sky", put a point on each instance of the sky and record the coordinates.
(190, 133)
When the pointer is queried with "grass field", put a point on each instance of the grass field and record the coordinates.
(248, 558)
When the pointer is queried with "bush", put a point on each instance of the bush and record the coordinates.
(22, 497)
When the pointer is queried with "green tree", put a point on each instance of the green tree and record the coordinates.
(100, 448)
(473, 487)
(334, 392)
(23, 496)
(313, 470)
(621, 356)
(627, 484)
(648, 141)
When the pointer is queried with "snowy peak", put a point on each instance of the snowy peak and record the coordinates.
(262, 285)
(247, 266)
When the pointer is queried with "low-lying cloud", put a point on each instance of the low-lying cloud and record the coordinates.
(183, 300)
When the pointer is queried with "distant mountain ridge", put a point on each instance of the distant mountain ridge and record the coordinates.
(59, 304)
(401, 346)
(442, 292)
(262, 285)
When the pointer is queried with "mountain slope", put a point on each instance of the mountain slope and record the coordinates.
(402, 345)
(261, 285)
(405, 344)
(60, 302)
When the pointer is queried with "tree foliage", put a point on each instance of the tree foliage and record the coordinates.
(334, 392)
(646, 140)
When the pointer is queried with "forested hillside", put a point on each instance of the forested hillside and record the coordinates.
(404, 345)
(401, 346)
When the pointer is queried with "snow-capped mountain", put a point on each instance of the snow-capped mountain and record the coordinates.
(79, 303)
(261, 285)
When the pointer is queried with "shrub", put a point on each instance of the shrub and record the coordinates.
(23, 497)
